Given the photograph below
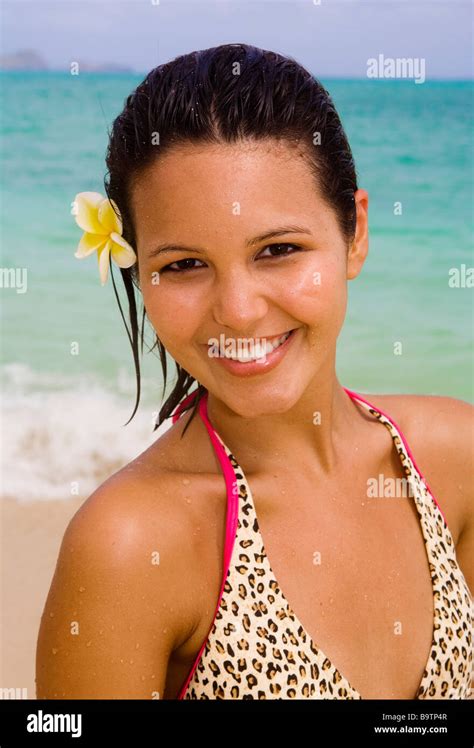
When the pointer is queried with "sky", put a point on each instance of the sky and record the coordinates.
(334, 38)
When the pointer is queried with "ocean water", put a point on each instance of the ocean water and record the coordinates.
(63, 415)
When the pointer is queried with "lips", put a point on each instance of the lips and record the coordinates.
(256, 348)
(270, 338)
(250, 356)
(249, 349)
(273, 338)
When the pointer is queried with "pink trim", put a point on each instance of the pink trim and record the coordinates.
(231, 522)
(410, 453)
(179, 409)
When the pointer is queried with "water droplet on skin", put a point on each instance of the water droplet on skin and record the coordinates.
(101, 631)
(142, 677)
(188, 501)
(82, 589)
(137, 645)
(121, 660)
(54, 651)
(131, 662)
(51, 615)
(165, 630)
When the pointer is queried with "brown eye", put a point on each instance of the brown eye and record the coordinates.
(280, 250)
(180, 266)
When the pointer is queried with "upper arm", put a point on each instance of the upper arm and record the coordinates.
(114, 612)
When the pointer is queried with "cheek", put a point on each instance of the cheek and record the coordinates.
(316, 293)
(173, 312)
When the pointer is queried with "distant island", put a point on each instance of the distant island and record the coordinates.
(30, 59)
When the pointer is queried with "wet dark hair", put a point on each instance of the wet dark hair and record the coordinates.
(223, 94)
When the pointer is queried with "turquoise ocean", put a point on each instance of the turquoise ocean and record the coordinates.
(62, 415)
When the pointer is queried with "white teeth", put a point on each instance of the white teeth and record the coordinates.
(258, 350)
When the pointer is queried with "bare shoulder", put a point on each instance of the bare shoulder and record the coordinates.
(121, 600)
(440, 433)
(153, 496)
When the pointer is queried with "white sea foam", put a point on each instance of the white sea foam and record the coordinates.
(64, 441)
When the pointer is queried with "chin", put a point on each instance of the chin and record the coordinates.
(263, 402)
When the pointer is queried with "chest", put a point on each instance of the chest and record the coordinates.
(354, 570)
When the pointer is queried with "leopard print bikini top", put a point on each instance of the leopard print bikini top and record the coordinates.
(256, 647)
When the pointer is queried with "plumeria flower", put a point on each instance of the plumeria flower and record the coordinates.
(102, 228)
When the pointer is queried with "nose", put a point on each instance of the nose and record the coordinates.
(239, 301)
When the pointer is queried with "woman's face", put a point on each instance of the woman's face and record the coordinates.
(211, 275)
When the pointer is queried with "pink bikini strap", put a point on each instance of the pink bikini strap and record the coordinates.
(402, 436)
(179, 410)
(231, 484)
(229, 475)
(231, 514)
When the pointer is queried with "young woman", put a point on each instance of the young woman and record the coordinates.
(246, 554)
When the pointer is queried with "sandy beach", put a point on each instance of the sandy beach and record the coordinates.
(31, 536)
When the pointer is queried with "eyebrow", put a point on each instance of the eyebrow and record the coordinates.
(167, 248)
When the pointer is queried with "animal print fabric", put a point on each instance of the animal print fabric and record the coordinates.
(257, 648)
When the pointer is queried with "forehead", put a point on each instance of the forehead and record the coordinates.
(194, 186)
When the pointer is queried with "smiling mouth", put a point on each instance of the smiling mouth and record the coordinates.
(246, 350)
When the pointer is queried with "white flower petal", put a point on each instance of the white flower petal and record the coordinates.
(86, 206)
(104, 260)
(108, 217)
(89, 244)
(122, 252)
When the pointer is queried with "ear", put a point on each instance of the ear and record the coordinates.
(360, 244)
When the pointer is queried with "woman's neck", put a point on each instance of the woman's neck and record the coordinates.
(317, 430)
